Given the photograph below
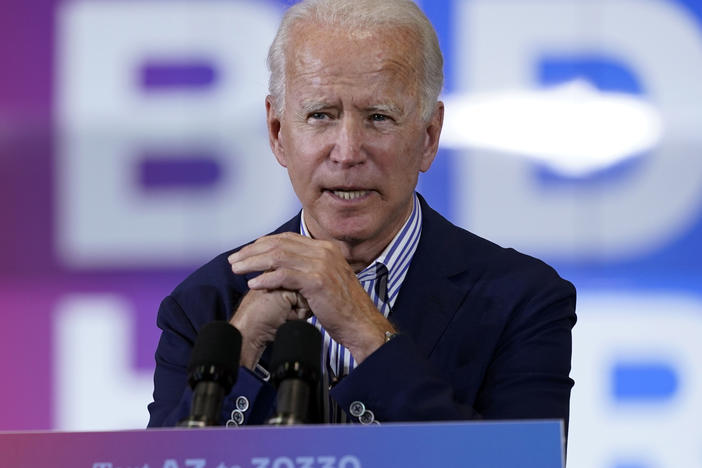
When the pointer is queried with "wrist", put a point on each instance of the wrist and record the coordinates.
(251, 349)
(372, 340)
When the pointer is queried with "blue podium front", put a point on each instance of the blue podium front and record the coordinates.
(537, 444)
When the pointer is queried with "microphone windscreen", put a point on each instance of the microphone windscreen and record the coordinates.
(297, 346)
(215, 355)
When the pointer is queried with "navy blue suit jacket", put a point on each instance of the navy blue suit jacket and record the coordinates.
(485, 333)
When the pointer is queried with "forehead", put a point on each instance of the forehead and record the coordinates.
(323, 55)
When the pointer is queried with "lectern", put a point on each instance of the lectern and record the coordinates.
(522, 444)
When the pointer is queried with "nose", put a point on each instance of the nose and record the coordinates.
(349, 148)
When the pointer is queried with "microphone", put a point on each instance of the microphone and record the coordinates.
(212, 371)
(295, 371)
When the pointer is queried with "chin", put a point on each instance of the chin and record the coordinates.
(351, 227)
(351, 234)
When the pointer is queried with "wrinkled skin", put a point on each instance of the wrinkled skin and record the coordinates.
(353, 140)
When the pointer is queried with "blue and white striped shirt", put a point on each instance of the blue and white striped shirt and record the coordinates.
(381, 280)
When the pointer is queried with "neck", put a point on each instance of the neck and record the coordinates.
(360, 255)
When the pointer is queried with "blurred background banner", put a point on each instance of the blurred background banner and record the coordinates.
(133, 149)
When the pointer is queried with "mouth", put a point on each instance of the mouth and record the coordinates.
(350, 194)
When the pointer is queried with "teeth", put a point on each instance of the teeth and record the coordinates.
(350, 195)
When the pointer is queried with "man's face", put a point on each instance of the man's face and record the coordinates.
(351, 133)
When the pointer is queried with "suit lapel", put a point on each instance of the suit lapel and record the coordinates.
(428, 298)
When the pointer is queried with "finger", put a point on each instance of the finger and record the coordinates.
(273, 260)
(270, 256)
(268, 243)
(261, 262)
(299, 314)
(302, 308)
(283, 255)
(299, 308)
(301, 301)
(280, 278)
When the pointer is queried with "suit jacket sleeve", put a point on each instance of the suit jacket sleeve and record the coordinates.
(520, 373)
(196, 302)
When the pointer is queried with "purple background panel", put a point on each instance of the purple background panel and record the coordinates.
(25, 344)
(27, 31)
(25, 207)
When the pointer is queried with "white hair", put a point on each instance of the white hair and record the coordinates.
(361, 15)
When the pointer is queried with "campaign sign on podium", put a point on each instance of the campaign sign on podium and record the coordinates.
(537, 444)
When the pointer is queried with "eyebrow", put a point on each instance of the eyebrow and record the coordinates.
(314, 105)
(385, 108)
(310, 106)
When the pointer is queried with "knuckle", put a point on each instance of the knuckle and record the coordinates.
(328, 250)
(277, 257)
(276, 277)
(328, 246)
(316, 280)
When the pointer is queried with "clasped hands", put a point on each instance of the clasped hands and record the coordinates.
(303, 277)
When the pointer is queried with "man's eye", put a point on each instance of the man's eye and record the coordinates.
(379, 117)
(318, 115)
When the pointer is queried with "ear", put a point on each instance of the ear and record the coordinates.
(432, 132)
(274, 138)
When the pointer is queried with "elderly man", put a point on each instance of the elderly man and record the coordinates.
(421, 319)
